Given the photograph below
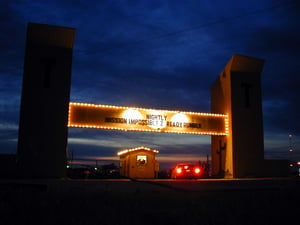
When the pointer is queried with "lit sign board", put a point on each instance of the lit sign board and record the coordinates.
(83, 115)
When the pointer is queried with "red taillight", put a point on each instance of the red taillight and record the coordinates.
(197, 170)
(178, 170)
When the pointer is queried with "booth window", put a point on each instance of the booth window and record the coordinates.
(141, 160)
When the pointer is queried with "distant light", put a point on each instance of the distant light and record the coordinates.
(290, 150)
(298, 163)
(178, 170)
(291, 165)
(197, 170)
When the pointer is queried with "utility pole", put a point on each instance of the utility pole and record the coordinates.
(291, 150)
(290, 143)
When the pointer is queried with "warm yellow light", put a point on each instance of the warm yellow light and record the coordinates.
(132, 114)
(179, 118)
(226, 121)
(122, 152)
(156, 119)
(146, 120)
(146, 130)
(145, 109)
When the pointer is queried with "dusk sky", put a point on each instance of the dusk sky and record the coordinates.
(161, 55)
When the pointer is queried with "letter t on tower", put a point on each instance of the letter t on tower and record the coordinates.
(43, 130)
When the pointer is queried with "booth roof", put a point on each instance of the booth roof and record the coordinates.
(125, 151)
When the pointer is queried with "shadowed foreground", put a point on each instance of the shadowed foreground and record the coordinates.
(144, 203)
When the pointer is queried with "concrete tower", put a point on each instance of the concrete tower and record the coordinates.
(45, 99)
(237, 93)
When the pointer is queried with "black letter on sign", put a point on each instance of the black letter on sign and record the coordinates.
(49, 64)
(247, 94)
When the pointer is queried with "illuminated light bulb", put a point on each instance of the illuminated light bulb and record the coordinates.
(179, 118)
(132, 114)
(144, 109)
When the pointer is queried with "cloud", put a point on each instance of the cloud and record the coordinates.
(94, 142)
(156, 54)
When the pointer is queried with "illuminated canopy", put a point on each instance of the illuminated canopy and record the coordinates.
(83, 115)
(142, 148)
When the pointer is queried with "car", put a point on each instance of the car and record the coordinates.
(186, 170)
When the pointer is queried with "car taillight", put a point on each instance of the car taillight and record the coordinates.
(197, 170)
(178, 170)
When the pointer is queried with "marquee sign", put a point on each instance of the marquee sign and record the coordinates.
(83, 115)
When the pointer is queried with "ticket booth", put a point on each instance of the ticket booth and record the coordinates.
(138, 162)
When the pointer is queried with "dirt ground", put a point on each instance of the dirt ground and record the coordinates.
(37, 204)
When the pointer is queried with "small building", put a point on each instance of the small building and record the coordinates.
(138, 162)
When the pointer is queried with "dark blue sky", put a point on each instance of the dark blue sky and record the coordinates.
(159, 54)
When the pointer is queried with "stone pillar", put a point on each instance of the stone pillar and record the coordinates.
(237, 93)
(43, 130)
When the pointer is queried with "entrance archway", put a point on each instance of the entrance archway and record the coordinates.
(176, 124)
(235, 122)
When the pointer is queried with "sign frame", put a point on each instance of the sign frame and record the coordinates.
(97, 116)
